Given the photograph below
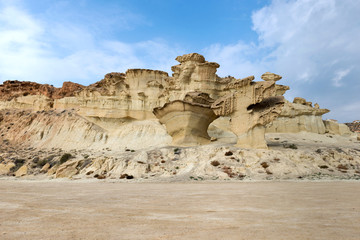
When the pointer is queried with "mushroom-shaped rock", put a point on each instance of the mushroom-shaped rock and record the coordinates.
(185, 122)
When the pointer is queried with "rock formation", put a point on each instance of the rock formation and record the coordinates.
(119, 98)
(34, 96)
(354, 126)
(194, 74)
(186, 103)
(299, 116)
(251, 106)
(187, 120)
(333, 127)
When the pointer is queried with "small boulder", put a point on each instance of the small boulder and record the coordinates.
(45, 168)
(22, 171)
(5, 168)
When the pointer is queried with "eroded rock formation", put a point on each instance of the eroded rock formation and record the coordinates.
(251, 106)
(354, 126)
(119, 98)
(186, 103)
(35, 96)
(187, 120)
(299, 116)
(333, 127)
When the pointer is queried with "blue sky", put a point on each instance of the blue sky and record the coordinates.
(313, 44)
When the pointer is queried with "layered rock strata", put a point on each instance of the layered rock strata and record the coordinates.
(187, 120)
(128, 99)
(333, 127)
(251, 106)
(299, 116)
(34, 96)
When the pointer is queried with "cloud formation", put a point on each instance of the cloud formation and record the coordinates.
(54, 52)
(313, 44)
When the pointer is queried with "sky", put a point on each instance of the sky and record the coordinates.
(313, 44)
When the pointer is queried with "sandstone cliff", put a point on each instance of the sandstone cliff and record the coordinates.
(34, 96)
(299, 116)
(135, 99)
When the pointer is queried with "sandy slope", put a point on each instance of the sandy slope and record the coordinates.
(33, 145)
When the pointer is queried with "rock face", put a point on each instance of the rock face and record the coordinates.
(333, 127)
(194, 74)
(68, 130)
(251, 106)
(297, 117)
(34, 96)
(128, 105)
(187, 123)
(354, 126)
(119, 98)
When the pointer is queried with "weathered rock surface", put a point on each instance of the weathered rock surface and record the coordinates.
(186, 122)
(333, 127)
(5, 168)
(316, 157)
(251, 106)
(118, 111)
(297, 117)
(34, 96)
(13, 89)
(68, 130)
(22, 171)
(354, 126)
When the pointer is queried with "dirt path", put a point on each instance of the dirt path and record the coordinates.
(104, 210)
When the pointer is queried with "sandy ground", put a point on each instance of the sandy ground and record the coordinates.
(106, 210)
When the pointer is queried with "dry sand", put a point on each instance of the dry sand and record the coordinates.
(210, 210)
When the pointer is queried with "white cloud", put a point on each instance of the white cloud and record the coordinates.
(32, 50)
(339, 76)
(311, 43)
(234, 59)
